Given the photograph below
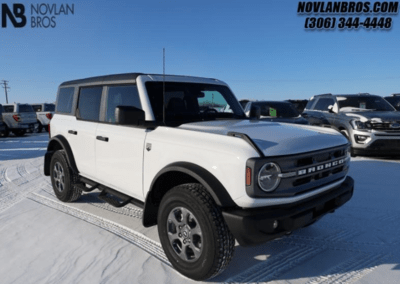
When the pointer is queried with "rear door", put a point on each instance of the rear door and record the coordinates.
(82, 132)
(119, 149)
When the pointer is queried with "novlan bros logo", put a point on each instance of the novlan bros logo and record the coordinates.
(18, 11)
(42, 15)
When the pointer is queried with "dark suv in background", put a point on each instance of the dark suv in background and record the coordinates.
(394, 100)
(369, 122)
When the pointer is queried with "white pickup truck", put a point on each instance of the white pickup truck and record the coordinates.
(19, 118)
(182, 149)
(44, 113)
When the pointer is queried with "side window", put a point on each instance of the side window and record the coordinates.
(310, 103)
(37, 108)
(89, 103)
(65, 100)
(324, 103)
(121, 96)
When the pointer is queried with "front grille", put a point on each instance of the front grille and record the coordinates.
(386, 126)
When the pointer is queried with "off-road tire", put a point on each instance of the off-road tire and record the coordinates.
(5, 132)
(19, 133)
(69, 193)
(40, 128)
(217, 242)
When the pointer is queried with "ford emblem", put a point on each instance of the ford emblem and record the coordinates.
(395, 125)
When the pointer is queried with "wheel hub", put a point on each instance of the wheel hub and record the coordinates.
(184, 234)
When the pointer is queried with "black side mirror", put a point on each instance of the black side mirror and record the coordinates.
(255, 112)
(129, 115)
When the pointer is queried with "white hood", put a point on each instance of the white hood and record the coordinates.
(275, 138)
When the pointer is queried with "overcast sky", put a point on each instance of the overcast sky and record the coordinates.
(260, 48)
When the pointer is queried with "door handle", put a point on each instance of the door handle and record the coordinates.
(105, 139)
(73, 132)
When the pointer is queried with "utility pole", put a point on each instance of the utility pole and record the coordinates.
(4, 84)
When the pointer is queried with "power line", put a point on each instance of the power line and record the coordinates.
(4, 84)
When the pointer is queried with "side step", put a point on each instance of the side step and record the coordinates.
(114, 198)
(82, 186)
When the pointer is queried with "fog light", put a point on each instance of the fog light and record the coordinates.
(361, 138)
(275, 225)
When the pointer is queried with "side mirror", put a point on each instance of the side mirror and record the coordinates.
(255, 112)
(129, 115)
(333, 108)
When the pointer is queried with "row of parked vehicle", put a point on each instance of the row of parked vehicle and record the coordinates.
(371, 123)
(22, 118)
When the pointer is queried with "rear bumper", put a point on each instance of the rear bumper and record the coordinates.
(255, 226)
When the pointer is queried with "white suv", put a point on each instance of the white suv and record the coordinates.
(206, 176)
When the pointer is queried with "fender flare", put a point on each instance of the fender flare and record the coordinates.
(55, 144)
(213, 186)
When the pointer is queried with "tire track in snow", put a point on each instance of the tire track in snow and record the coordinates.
(152, 247)
(128, 210)
(351, 270)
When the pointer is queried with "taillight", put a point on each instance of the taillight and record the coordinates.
(16, 117)
(248, 176)
(49, 115)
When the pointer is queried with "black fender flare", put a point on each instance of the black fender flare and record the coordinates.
(201, 175)
(56, 143)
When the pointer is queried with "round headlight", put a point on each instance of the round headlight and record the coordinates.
(268, 177)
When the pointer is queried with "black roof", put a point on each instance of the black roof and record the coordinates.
(106, 78)
(116, 77)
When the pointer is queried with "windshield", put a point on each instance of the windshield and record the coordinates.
(282, 109)
(364, 103)
(189, 102)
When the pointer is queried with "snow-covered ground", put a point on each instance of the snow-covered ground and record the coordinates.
(43, 240)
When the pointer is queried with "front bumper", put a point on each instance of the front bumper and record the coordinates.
(377, 143)
(255, 226)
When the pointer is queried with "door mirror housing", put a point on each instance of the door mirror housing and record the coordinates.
(333, 108)
(255, 112)
(129, 115)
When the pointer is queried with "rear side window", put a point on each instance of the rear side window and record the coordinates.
(89, 103)
(324, 103)
(121, 96)
(65, 100)
(37, 108)
(8, 108)
(25, 108)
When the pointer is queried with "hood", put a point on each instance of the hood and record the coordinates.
(273, 138)
(377, 116)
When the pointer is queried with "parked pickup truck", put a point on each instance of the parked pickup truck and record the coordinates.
(2, 124)
(19, 118)
(183, 149)
(44, 113)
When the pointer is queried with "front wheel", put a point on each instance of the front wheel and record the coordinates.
(193, 233)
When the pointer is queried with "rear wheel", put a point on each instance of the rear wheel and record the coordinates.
(63, 178)
(193, 233)
(39, 128)
(5, 132)
(19, 133)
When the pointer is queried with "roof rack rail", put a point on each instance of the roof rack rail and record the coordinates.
(327, 94)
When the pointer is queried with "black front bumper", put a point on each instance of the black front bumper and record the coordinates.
(255, 226)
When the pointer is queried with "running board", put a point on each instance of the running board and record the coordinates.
(83, 187)
(114, 198)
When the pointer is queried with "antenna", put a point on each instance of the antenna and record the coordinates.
(164, 85)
